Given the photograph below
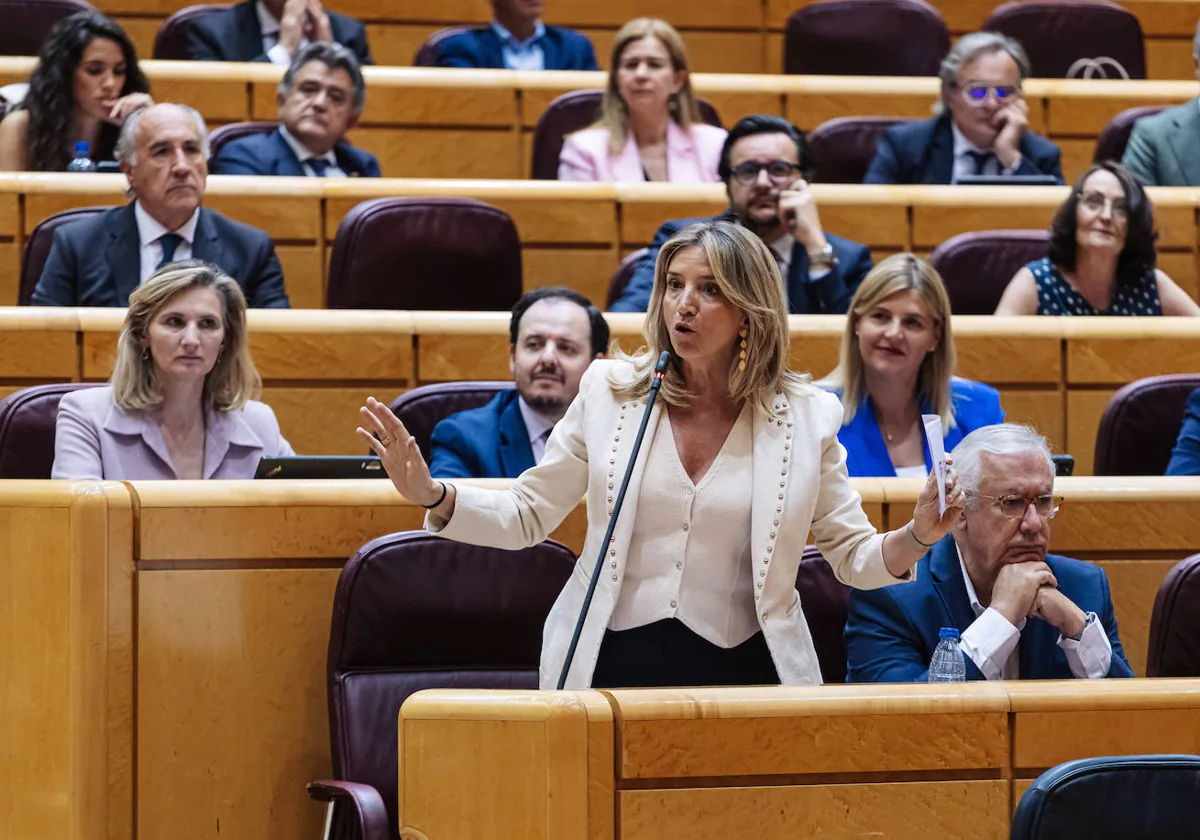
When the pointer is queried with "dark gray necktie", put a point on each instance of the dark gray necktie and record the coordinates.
(981, 160)
(318, 166)
(170, 241)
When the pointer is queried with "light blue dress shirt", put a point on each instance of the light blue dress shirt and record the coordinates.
(522, 55)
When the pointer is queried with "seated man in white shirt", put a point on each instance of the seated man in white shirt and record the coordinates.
(274, 31)
(1021, 613)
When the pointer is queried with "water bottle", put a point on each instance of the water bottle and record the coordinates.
(948, 664)
(81, 161)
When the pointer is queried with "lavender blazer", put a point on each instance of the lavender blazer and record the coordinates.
(94, 439)
(692, 156)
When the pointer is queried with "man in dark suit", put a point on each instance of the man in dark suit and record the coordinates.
(983, 127)
(320, 98)
(516, 39)
(1021, 613)
(274, 31)
(1164, 150)
(98, 262)
(765, 164)
(554, 334)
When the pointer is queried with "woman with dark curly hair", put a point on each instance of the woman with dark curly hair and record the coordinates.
(86, 83)
(1102, 259)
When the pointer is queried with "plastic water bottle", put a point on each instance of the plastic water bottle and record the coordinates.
(81, 161)
(948, 664)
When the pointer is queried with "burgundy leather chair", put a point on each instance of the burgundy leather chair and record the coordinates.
(413, 611)
(37, 247)
(426, 55)
(825, 600)
(1063, 37)
(27, 422)
(1111, 143)
(842, 148)
(1174, 649)
(234, 131)
(622, 276)
(865, 38)
(425, 253)
(572, 112)
(171, 40)
(977, 266)
(423, 408)
(1141, 423)
(28, 22)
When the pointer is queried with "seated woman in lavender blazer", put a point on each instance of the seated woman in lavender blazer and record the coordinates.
(179, 402)
(649, 127)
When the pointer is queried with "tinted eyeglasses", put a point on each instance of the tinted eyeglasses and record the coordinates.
(1096, 202)
(977, 93)
(779, 171)
(1014, 506)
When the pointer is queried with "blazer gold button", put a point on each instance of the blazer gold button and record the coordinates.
(762, 573)
(614, 577)
(612, 552)
(614, 565)
(764, 615)
(760, 584)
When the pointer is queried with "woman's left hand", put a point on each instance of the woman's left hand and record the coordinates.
(126, 105)
(928, 526)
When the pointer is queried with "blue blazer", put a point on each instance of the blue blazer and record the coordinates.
(563, 49)
(97, 261)
(972, 403)
(234, 35)
(269, 154)
(891, 632)
(923, 153)
(829, 295)
(1185, 458)
(486, 442)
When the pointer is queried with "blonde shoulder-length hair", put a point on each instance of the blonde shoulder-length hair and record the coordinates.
(233, 379)
(900, 273)
(748, 277)
(614, 112)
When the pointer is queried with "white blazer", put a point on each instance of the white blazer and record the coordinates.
(800, 483)
(692, 156)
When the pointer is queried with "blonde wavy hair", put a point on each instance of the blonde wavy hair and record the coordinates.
(748, 277)
(614, 112)
(899, 273)
(233, 379)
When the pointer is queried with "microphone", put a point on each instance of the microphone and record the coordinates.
(660, 370)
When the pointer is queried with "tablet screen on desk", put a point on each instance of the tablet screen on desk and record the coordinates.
(320, 466)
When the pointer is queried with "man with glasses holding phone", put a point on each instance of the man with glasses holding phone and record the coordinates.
(982, 128)
(1021, 613)
(765, 164)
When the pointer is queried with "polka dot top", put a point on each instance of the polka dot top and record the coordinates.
(1056, 297)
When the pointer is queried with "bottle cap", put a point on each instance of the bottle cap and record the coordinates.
(82, 148)
(948, 633)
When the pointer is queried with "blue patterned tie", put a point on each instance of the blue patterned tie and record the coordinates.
(318, 166)
(169, 241)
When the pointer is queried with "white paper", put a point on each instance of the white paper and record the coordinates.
(937, 450)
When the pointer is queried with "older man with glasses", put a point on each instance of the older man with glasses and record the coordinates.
(1021, 613)
(983, 127)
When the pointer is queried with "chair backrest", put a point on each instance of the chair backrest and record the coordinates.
(27, 422)
(171, 40)
(1140, 424)
(1133, 797)
(426, 55)
(1111, 143)
(1079, 39)
(571, 112)
(977, 266)
(413, 611)
(225, 134)
(28, 22)
(37, 247)
(1174, 648)
(425, 253)
(424, 407)
(842, 148)
(622, 276)
(865, 38)
(825, 601)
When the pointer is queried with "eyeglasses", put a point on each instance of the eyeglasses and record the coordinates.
(779, 171)
(1014, 506)
(976, 94)
(1096, 202)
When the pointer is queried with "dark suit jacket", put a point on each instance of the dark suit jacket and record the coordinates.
(97, 261)
(923, 153)
(234, 35)
(829, 295)
(1162, 148)
(1185, 458)
(269, 154)
(891, 632)
(486, 442)
(564, 49)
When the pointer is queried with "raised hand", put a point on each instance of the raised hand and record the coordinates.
(399, 453)
(928, 527)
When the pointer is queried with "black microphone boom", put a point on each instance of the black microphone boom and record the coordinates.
(660, 370)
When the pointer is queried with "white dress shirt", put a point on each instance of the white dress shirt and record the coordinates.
(964, 164)
(522, 55)
(149, 235)
(538, 428)
(782, 249)
(276, 53)
(991, 642)
(303, 155)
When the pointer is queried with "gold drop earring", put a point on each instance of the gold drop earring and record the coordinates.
(742, 352)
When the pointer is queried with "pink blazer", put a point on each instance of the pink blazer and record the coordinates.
(94, 439)
(692, 156)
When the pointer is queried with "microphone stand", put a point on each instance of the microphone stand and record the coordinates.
(660, 370)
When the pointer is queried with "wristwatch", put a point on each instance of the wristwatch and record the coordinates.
(826, 259)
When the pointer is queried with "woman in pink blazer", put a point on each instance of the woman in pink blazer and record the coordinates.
(179, 402)
(649, 127)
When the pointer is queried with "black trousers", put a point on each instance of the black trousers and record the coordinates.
(667, 654)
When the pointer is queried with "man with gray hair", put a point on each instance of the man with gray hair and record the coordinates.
(1021, 613)
(320, 98)
(99, 261)
(1164, 150)
(982, 124)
